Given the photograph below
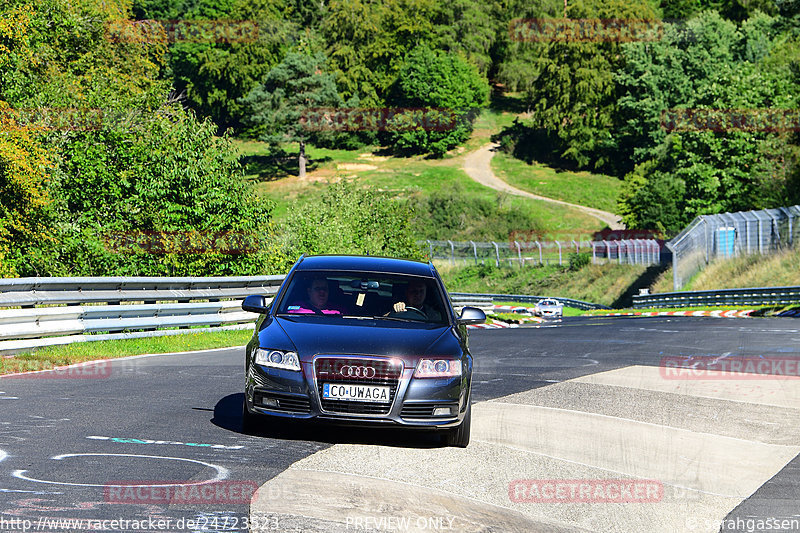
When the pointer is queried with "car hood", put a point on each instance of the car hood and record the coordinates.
(314, 335)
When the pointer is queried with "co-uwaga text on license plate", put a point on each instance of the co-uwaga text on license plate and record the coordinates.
(362, 393)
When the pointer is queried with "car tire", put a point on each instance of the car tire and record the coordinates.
(250, 423)
(459, 437)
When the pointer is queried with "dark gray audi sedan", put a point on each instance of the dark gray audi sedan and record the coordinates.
(361, 341)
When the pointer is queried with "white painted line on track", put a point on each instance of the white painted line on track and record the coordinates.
(222, 472)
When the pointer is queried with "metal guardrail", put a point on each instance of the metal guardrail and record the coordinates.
(753, 296)
(569, 302)
(37, 312)
(133, 307)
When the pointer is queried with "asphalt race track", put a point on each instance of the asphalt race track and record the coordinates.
(576, 427)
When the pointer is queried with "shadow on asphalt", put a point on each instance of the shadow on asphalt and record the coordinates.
(228, 415)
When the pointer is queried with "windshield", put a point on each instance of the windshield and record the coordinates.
(364, 295)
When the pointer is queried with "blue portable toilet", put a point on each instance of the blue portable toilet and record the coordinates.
(725, 240)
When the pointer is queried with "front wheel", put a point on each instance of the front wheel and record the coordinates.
(459, 437)
(250, 422)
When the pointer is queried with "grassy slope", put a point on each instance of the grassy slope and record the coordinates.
(601, 284)
(582, 188)
(746, 271)
(405, 176)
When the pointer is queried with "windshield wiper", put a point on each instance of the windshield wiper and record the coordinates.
(400, 319)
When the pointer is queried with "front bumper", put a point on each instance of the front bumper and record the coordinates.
(296, 395)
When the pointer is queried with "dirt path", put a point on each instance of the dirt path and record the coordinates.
(477, 166)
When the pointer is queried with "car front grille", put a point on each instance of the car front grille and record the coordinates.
(372, 372)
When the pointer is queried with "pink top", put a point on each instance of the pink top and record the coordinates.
(304, 308)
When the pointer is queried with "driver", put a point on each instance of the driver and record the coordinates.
(416, 291)
(317, 302)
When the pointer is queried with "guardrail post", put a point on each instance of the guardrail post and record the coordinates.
(496, 255)
(559, 253)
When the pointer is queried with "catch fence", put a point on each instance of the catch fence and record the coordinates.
(633, 251)
(726, 235)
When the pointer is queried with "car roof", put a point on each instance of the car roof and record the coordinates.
(365, 264)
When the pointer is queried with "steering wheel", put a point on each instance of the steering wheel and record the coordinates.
(415, 310)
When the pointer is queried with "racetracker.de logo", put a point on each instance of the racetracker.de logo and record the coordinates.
(729, 368)
(51, 119)
(175, 31)
(170, 492)
(93, 370)
(587, 30)
(585, 491)
(770, 120)
(182, 242)
(383, 119)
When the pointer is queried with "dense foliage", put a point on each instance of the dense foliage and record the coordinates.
(106, 161)
(110, 124)
(348, 219)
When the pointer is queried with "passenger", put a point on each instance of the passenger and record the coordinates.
(317, 301)
(416, 291)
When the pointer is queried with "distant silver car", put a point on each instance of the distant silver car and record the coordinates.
(549, 308)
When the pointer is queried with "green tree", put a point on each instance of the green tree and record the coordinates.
(276, 106)
(721, 66)
(367, 42)
(436, 79)
(212, 76)
(470, 28)
(147, 166)
(347, 219)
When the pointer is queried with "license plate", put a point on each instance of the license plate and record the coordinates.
(356, 393)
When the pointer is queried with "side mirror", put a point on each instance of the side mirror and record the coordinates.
(472, 315)
(255, 303)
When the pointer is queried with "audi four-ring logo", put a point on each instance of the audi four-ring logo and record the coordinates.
(357, 371)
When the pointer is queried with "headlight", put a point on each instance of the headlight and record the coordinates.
(438, 368)
(277, 359)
